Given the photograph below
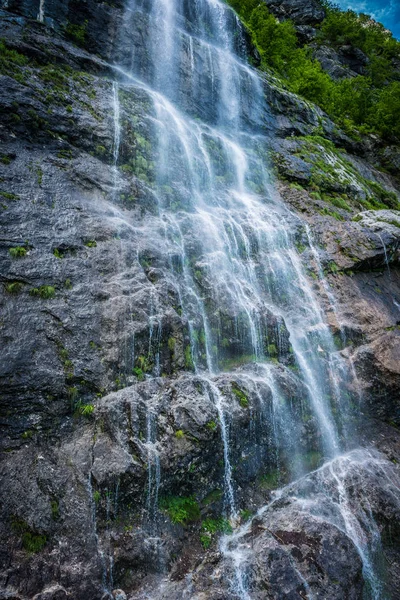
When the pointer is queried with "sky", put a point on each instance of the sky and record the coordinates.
(384, 11)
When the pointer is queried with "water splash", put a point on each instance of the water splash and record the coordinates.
(240, 280)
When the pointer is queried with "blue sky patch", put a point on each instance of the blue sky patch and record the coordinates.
(384, 11)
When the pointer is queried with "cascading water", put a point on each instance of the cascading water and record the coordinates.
(240, 280)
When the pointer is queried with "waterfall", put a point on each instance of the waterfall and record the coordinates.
(40, 16)
(241, 282)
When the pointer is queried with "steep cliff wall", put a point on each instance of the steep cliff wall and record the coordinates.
(115, 456)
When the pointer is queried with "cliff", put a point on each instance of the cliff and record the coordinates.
(200, 306)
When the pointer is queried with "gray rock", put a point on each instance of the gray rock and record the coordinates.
(302, 13)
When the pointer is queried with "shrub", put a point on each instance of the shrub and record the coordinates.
(180, 510)
(44, 291)
(370, 101)
(210, 527)
(18, 252)
(77, 32)
(14, 288)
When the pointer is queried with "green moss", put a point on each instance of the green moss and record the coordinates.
(44, 291)
(9, 195)
(272, 350)
(179, 434)
(91, 244)
(32, 541)
(18, 252)
(65, 153)
(138, 372)
(209, 529)
(77, 33)
(181, 510)
(55, 510)
(271, 480)
(84, 410)
(214, 496)
(14, 287)
(240, 395)
(189, 365)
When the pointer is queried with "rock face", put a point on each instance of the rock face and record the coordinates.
(181, 336)
(302, 13)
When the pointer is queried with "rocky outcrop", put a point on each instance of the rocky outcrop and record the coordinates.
(302, 13)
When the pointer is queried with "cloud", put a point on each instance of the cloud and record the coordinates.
(384, 11)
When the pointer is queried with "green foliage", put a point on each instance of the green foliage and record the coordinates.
(211, 425)
(271, 480)
(11, 63)
(179, 434)
(32, 542)
(180, 510)
(272, 350)
(18, 252)
(5, 159)
(210, 527)
(214, 496)
(14, 287)
(77, 33)
(96, 496)
(189, 365)
(370, 102)
(245, 515)
(65, 153)
(55, 510)
(86, 410)
(138, 372)
(91, 244)
(44, 291)
(240, 395)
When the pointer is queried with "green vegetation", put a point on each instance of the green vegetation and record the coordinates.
(91, 243)
(55, 510)
(179, 434)
(189, 365)
(335, 180)
(32, 542)
(271, 480)
(18, 252)
(77, 33)
(143, 365)
(370, 103)
(44, 291)
(211, 425)
(84, 410)
(11, 61)
(180, 510)
(15, 287)
(240, 395)
(210, 527)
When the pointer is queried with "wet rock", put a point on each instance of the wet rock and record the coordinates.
(55, 592)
